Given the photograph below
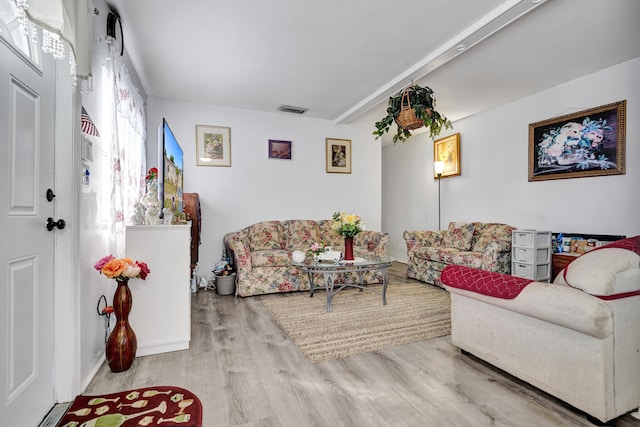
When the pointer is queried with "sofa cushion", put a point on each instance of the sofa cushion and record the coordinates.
(605, 271)
(328, 235)
(270, 258)
(300, 234)
(450, 256)
(486, 232)
(266, 235)
(459, 235)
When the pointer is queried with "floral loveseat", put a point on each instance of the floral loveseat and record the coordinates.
(262, 252)
(482, 245)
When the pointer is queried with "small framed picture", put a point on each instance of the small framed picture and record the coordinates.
(338, 155)
(213, 145)
(447, 150)
(279, 149)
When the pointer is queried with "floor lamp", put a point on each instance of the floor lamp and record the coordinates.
(439, 168)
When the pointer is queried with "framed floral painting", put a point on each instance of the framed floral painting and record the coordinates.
(447, 150)
(213, 146)
(587, 143)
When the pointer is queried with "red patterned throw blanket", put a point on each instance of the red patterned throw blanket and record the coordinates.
(152, 406)
(483, 282)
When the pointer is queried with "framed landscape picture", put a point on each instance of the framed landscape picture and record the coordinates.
(213, 145)
(279, 149)
(587, 143)
(338, 157)
(447, 150)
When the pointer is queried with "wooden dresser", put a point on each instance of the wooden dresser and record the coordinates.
(560, 261)
(192, 209)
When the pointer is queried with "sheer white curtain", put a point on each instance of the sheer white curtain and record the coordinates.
(127, 153)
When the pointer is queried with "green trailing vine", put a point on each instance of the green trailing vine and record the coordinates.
(423, 103)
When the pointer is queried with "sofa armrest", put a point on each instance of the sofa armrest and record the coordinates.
(606, 272)
(374, 241)
(240, 252)
(497, 256)
(419, 239)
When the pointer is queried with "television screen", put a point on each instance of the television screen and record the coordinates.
(170, 169)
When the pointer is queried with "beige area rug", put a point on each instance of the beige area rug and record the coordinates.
(359, 323)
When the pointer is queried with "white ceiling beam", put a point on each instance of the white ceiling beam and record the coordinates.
(489, 24)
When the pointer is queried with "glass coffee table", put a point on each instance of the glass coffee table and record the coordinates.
(330, 269)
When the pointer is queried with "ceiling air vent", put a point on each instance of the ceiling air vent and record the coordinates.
(290, 109)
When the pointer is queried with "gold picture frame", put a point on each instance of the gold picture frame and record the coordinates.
(587, 143)
(213, 145)
(338, 155)
(447, 150)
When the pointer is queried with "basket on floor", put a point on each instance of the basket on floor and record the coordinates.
(407, 117)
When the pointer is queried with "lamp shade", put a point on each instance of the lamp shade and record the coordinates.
(438, 167)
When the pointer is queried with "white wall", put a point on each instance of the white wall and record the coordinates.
(494, 164)
(256, 188)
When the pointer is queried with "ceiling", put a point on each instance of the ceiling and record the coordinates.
(342, 59)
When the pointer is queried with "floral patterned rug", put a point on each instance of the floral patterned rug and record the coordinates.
(152, 406)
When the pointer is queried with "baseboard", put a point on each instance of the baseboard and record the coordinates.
(98, 362)
(162, 347)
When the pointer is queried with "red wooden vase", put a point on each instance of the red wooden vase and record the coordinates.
(122, 343)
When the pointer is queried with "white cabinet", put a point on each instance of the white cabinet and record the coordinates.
(531, 254)
(161, 311)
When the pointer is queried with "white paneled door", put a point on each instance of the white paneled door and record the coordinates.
(27, 99)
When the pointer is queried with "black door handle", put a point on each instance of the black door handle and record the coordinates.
(59, 224)
(50, 195)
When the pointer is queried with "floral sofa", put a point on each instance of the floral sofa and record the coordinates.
(261, 254)
(481, 245)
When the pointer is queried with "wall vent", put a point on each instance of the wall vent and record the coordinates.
(291, 109)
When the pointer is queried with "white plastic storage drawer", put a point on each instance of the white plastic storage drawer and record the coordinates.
(530, 271)
(531, 238)
(531, 255)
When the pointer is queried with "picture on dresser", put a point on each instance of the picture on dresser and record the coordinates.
(587, 143)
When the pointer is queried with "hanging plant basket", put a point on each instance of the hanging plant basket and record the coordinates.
(407, 116)
(412, 108)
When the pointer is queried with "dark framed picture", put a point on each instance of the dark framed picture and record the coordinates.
(279, 149)
(338, 155)
(587, 143)
(447, 150)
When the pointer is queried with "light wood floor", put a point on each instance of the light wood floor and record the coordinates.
(247, 372)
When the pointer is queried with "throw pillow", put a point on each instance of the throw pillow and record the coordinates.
(458, 235)
(486, 232)
(266, 235)
(300, 234)
(605, 271)
(328, 236)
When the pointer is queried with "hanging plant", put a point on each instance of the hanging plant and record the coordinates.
(411, 109)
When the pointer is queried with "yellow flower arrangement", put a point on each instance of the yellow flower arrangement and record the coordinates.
(347, 225)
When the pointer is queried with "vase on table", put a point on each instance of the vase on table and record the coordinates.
(348, 249)
(122, 343)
